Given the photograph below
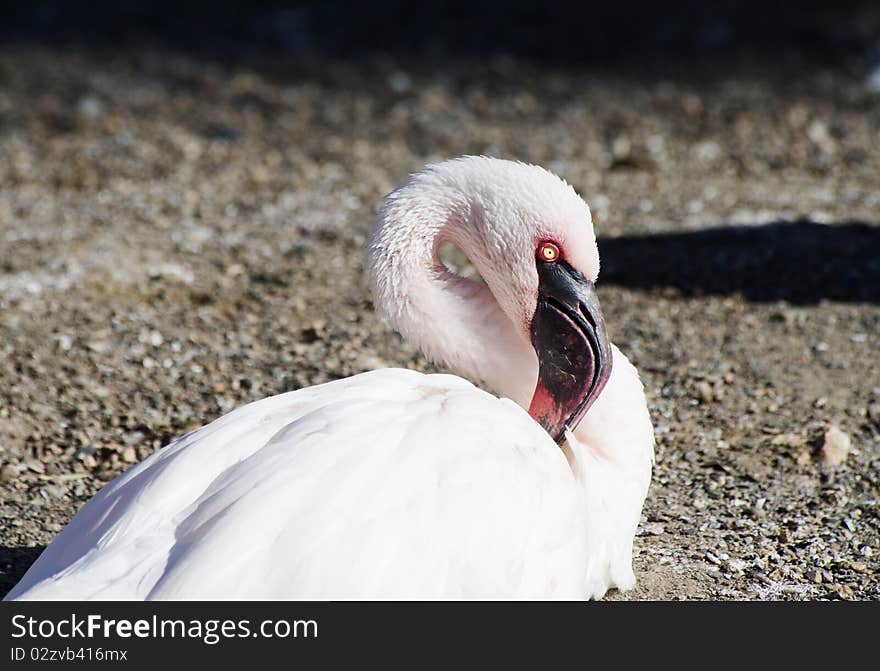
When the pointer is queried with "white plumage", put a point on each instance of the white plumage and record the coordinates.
(394, 484)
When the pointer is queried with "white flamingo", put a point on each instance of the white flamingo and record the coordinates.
(396, 484)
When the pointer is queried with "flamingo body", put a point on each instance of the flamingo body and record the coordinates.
(388, 484)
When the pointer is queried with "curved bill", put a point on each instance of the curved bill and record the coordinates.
(574, 353)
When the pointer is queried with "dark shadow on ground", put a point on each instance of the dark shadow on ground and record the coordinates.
(799, 262)
(14, 563)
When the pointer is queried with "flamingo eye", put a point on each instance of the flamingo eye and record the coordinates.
(548, 252)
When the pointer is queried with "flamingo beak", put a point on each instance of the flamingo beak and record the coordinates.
(574, 353)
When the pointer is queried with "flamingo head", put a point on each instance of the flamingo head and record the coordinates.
(531, 238)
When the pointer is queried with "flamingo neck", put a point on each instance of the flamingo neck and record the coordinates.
(453, 320)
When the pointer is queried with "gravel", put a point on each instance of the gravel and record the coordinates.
(182, 234)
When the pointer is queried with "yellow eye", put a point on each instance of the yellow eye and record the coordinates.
(548, 252)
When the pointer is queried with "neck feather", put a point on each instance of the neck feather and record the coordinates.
(453, 320)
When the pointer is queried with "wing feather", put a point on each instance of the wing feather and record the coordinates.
(387, 484)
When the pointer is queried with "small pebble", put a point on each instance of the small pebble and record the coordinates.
(652, 529)
(8, 473)
(845, 592)
(874, 413)
(835, 448)
(705, 392)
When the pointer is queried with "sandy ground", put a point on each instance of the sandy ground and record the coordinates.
(180, 235)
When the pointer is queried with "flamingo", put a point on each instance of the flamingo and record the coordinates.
(393, 484)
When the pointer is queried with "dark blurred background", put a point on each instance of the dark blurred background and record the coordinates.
(570, 32)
